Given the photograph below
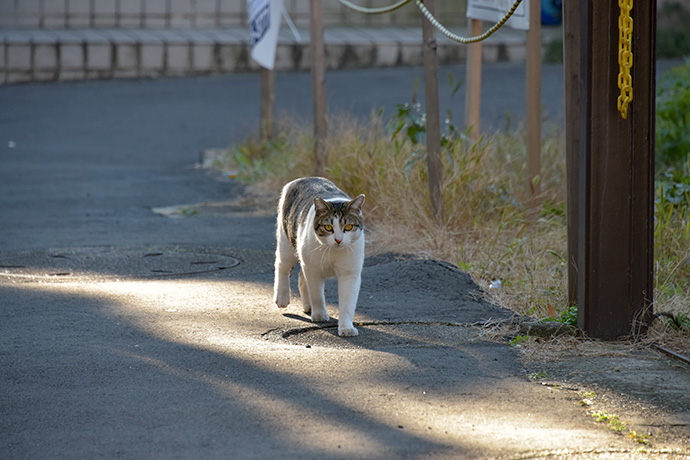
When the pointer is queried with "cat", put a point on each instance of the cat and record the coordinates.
(320, 227)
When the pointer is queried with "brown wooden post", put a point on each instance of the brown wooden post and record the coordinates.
(473, 84)
(318, 75)
(268, 88)
(533, 97)
(433, 114)
(615, 174)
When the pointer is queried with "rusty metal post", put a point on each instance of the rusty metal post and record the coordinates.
(571, 74)
(318, 75)
(433, 114)
(615, 182)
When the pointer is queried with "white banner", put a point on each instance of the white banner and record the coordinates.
(494, 10)
(264, 24)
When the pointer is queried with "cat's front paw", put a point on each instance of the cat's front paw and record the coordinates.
(282, 299)
(320, 317)
(347, 331)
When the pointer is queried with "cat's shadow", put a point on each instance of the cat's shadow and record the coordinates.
(304, 319)
(325, 325)
(372, 339)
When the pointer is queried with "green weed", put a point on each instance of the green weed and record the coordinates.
(519, 340)
(611, 420)
(638, 438)
(587, 398)
(673, 118)
(569, 316)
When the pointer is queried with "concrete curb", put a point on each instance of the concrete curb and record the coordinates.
(34, 55)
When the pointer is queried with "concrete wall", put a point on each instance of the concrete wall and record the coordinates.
(80, 14)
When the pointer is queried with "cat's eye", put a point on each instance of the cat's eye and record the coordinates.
(348, 227)
(328, 227)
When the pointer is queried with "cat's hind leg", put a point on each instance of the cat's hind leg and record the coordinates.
(285, 261)
(304, 292)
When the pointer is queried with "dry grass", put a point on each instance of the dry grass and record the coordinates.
(492, 228)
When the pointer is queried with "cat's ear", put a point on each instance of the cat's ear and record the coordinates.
(357, 203)
(320, 205)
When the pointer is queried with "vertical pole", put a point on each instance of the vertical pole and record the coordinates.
(473, 87)
(433, 114)
(533, 96)
(318, 75)
(643, 151)
(616, 182)
(268, 84)
(571, 74)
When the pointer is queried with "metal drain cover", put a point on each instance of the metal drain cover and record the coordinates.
(112, 262)
(380, 335)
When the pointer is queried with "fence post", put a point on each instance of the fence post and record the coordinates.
(473, 88)
(318, 74)
(533, 96)
(433, 117)
(268, 85)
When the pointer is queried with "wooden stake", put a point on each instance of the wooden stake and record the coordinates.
(433, 114)
(533, 95)
(473, 85)
(268, 83)
(318, 74)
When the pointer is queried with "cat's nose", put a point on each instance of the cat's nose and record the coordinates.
(338, 241)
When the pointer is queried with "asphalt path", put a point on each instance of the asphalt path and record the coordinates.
(83, 162)
(125, 334)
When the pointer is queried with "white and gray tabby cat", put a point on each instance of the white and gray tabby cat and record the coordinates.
(320, 227)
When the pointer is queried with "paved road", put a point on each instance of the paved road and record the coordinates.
(124, 334)
(91, 158)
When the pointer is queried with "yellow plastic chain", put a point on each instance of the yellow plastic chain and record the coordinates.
(625, 57)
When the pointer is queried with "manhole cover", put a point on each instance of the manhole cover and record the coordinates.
(380, 335)
(111, 262)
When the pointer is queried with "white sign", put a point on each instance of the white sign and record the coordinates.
(264, 24)
(494, 10)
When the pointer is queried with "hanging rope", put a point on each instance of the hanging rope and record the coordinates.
(625, 57)
(467, 40)
(434, 21)
(384, 9)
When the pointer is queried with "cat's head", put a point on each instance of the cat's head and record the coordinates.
(338, 223)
